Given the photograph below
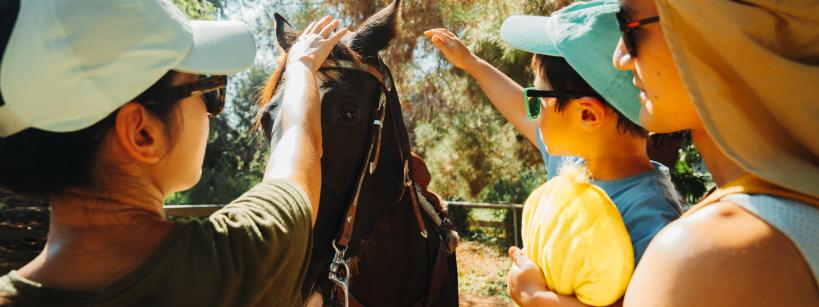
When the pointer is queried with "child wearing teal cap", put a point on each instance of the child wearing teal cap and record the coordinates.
(580, 109)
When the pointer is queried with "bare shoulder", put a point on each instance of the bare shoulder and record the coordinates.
(722, 255)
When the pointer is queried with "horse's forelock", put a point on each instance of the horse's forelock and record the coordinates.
(265, 95)
(272, 86)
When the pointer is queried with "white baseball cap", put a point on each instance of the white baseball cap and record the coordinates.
(70, 63)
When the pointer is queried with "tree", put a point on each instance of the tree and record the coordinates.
(471, 150)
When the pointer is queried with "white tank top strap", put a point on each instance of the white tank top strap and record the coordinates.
(798, 221)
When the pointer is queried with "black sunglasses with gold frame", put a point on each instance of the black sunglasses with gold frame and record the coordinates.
(212, 90)
(627, 27)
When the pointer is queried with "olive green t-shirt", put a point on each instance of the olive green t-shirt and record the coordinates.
(252, 252)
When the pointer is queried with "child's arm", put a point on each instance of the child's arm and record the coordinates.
(527, 287)
(505, 94)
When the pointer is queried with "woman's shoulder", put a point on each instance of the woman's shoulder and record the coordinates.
(722, 255)
(273, 203)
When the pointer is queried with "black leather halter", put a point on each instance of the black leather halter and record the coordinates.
(374, 145)
(339, 271)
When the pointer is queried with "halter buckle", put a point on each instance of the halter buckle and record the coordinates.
(340, 272)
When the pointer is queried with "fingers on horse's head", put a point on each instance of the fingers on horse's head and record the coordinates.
(370, 38)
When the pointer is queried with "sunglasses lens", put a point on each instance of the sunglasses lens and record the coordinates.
(215, 101)
(533, 107)
(628, 39)
(627, 32)
(622, 20)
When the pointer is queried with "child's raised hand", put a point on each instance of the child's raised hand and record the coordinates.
(451, 47)
(525, 277)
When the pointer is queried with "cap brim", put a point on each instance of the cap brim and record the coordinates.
(530, 34)
(219, 48)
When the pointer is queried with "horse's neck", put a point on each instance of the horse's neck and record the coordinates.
(394, 264)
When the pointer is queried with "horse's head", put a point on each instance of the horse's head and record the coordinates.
(353, 101)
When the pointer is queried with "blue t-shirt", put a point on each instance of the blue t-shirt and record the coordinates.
(647, 201)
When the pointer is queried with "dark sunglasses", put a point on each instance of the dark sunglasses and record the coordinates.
(532, 99)
(212, 90)
(627, 28)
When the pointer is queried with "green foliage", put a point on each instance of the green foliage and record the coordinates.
(196, 9)
(470, 151)
(689, 174)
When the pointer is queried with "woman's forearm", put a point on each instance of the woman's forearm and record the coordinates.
(297, 155)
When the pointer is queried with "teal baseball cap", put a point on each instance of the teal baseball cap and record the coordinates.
(585, 34)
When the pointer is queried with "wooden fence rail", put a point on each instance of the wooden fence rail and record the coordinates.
(21, 240)
(208, 209)
(513, 207)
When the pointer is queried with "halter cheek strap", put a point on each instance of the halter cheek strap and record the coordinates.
(339, 270)
(374, 148)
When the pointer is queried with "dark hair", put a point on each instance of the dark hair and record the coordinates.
(563, 77)
(38, 162)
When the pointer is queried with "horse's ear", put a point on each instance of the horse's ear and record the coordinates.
(377, 31)
(285, 34)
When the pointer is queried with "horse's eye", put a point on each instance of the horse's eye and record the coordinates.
(348, 115)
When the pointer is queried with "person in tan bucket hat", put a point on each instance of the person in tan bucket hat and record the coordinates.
(742, 77)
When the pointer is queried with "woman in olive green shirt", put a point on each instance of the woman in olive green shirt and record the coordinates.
(71, 130)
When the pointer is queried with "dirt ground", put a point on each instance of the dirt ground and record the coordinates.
(472, 300)
(482, 275)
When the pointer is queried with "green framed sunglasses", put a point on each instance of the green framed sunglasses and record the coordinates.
(531, 99)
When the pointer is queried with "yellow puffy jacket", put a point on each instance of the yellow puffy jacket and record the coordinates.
(575, 234)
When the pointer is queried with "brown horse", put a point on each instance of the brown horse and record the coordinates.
(374, 244)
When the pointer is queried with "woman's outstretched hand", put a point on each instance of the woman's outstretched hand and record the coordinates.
(315, 43)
